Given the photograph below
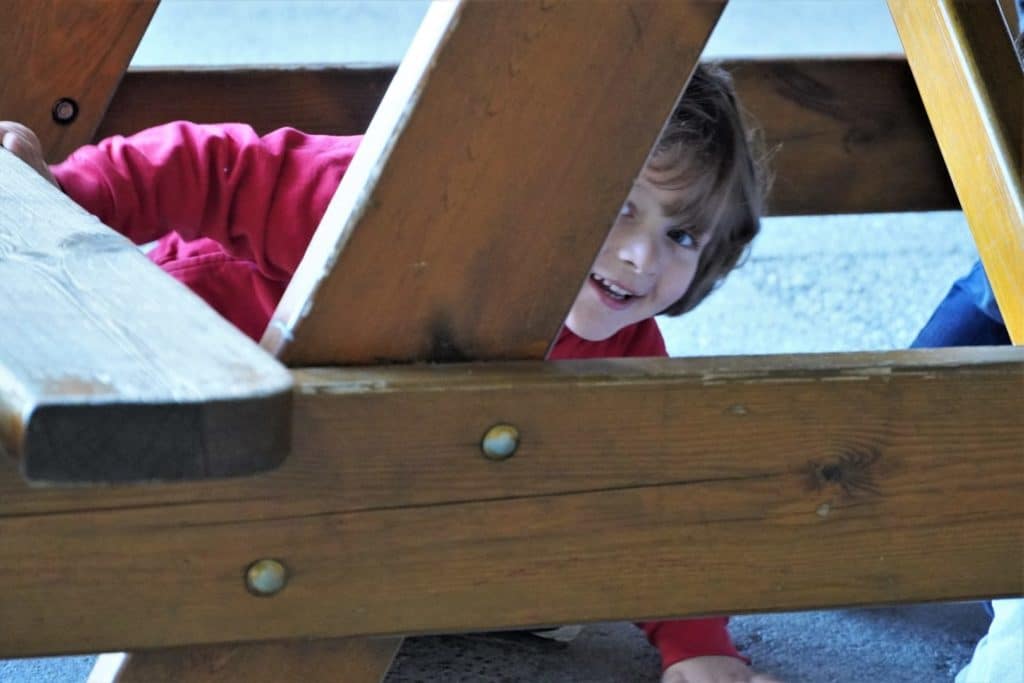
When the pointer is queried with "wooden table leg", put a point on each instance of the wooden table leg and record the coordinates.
(972, 86)
(340, 660)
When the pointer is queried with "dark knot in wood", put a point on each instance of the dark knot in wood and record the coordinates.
(852, 471)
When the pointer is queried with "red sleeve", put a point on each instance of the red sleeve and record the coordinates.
(260, 198)
(681, 639)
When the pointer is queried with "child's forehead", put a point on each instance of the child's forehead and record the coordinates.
(669, 189)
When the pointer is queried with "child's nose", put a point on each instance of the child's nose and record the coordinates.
(639, 251)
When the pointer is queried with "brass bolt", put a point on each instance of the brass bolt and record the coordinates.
(500, 441)
(65, 111)
(266, 577)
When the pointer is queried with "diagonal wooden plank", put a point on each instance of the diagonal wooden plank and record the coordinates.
(488, 180)
(109, 369)
(972, 85)
(65, 57)
(836, 484)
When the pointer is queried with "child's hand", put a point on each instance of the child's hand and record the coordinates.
(24, 144)
(713, 669)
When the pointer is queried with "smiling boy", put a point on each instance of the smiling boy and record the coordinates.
(233, 213)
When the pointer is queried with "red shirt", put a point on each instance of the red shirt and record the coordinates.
(234, 212)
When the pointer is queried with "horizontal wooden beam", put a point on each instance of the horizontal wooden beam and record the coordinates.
(843, 479)
(350, 660)
(847, 135)
(109, 369)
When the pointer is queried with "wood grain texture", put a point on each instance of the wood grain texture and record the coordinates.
(844, 136)
(328, 100)
(844, 480)
(77, 49)
(488, 180)
(972, 86)
(847, 135)
(109, 369)
(349, 660)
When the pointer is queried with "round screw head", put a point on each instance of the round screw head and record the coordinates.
(65, 110)
(266, 577)
(500, 441)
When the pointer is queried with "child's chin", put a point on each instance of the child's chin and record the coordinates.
(589, 332)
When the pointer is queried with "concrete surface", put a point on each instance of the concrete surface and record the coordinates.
(810, 284)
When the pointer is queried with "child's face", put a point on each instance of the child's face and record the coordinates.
(645, 265)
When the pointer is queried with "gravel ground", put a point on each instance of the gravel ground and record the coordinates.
(917, 644)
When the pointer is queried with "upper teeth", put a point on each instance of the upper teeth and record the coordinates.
(612, 287)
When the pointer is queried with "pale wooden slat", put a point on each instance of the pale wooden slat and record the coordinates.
(77, 49)
(848, 135)
(488, 180)
(109, 369)
(843, 479)
(973, 89)
(350, 660)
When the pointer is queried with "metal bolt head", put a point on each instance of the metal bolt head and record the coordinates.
(65, 110)
(266, 577)
(500, 441)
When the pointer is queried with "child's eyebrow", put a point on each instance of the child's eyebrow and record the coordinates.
(685, 214)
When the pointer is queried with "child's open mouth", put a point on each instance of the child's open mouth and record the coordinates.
(612, 294)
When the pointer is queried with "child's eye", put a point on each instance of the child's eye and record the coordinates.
(683, 238)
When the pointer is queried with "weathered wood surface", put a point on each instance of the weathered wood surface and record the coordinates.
(488, 180)
(847, 135)
(972, 85)
(320, 99)
(349, 660)
(109, 369)
(844, 479)
(66, 49)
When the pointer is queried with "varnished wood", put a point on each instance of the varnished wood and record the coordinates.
(848, 479)
(109, 369)
(1010, 14)
(972, 85)
(844, 136)
(324, 99)
(488, 180)
(847, 135)
(77, 49)
(350, 660)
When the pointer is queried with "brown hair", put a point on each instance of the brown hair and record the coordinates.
(708, 150)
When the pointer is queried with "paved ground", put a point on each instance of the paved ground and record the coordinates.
(811, 284)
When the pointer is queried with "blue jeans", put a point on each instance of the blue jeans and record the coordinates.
(966, 317)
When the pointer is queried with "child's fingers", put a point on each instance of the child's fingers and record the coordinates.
(20, 141)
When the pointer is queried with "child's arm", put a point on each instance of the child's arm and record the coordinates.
(261, 198)
(24, 144)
